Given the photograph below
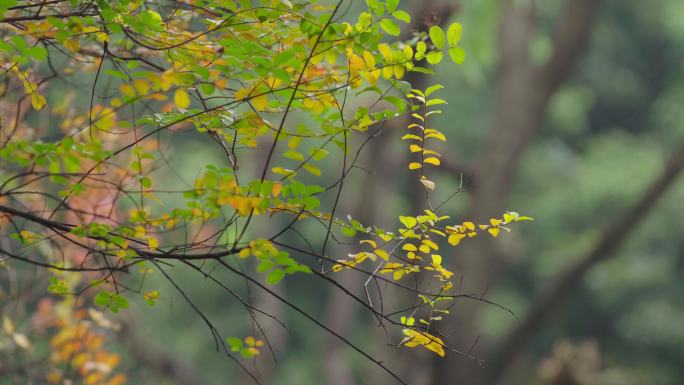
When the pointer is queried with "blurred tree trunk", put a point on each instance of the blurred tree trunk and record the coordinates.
(567, 281)
(523, 93)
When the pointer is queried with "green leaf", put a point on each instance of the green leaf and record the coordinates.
(421, 47)
(389, 26)
(408, 222)
(402, 15)
(432, 89)
(348, 231)
(392, 5)
(434, 102)
(454, 33)
(102, 298)
(264, 266)
(38, 52)
(457, 55)
(312, 169)
(275, 276)
(434, 57)
(234, 343)
(437, 36)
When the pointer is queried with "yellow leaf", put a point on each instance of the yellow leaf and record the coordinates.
(167, 80)
(415, 148)
(494, 231)
(469, 225)
(294, 142)
(436, 135)
(181, 98)
(397, 274)
(276, 189)
(431, 244)
(436, 259)
(414, 166)
(127, 90)
(72, 44)
(399, 71)
(433, 161)
(387, 71)
(141, 86)
(409, 247)
(455, 239)
(411, 136)
(312, 169)
(386, 52)
(153, 243)
(415, 338)
(37, 100)
(260, 102)
(356, 63)
(371, 242)
(151, 295)
(7, 325)
(369, 59)
(382, 254)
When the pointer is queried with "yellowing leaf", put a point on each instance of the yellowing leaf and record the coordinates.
(414, 166)
(72, 44)
(494, 231)
(276, 189)
(37, 101)
(312, 169)
(127, 90)
(260, 102)
(415, 148)
(181, 98)
(21, 341)
(141, 86)
(371, 242)
(153, 243)
(417, 338)
(7, 325)
(430, 185)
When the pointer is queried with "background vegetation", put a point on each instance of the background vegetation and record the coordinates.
(567, 111)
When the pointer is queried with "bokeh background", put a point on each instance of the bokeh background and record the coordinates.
(566, 111)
